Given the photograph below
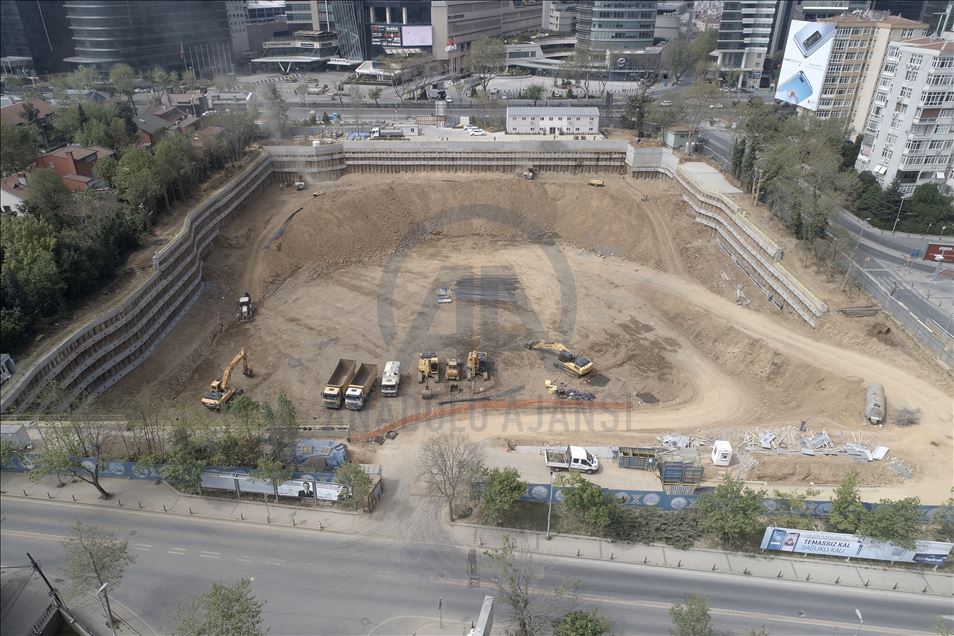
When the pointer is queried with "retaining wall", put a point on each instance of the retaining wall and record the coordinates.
(745, 242)
(98, 354)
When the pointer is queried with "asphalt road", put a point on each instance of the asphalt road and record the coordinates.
(344, 584)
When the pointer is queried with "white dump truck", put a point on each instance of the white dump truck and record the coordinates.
(391, 379)
(571, 458)
(361, 386)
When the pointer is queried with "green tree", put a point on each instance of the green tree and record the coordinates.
(183, 469)
(357, 483)
(274, 471)
(84, 77)
(792, 511)
(890, 204)
(355, 97)
(870, 200)
(225, 610)
(30, 279)
(19, 148)
(55, 461)
(83, 439)
(175, 166)
(731, 512)
(581, 623)
(106, 169)
(637, 109)
(585, 501)
(680, 58)
(503, 488)
(8, 453)
(449, 463)
(93, 556)
(159, 79)
(284, 429)
(374, 94)
(927, 206)
(691, 619)
(137, 180)
(738, 153)
(486, 58)
(896, 521)
(846, 508)
(14, 328)
(47, 196)
(944, 522)
(535, 92)
(121, 76)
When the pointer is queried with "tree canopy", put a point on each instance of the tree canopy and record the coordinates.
(486, 58)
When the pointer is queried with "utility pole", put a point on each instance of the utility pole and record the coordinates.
(57, 599)
(851, 262)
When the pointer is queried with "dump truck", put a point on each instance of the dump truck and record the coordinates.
(478, 364)
(245, 308)
(221, 392)
(361, 386)
(571, 458)
(386, 133)
(574, 363)
(875, 409)
(391, 379)
(429, 364)
(333, 393)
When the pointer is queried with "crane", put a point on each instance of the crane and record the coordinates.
(574, 363)
(220, 393)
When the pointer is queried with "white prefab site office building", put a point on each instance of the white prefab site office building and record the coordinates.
(552, 120)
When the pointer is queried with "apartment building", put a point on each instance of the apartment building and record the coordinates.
(613, 25)
(909, 133)
(861, 41)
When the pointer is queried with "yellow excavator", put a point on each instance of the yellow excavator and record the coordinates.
(478, 365)
(428, 365)
(220, 393)
(576, 364)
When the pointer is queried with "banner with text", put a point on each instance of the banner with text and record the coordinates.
(850, 545)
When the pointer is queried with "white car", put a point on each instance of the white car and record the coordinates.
(477, 132)
(716, 106)
(448, 100)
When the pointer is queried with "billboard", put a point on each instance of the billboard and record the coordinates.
(385, 35)
(416, 35)
(805, 64)
(850, 545)
(946, 252)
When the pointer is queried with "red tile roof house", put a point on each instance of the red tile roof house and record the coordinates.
(15, 114)
(13, 192)
(75, 165)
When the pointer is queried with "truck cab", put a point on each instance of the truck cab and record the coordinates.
(571, 458)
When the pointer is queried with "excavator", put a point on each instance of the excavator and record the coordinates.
(478, 365)
(576, 364)
(428, 365)
(220, 393)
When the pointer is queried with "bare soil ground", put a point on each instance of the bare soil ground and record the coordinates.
(622, 274)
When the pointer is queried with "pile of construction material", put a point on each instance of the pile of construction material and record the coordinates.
(791, 440)
(487, 289)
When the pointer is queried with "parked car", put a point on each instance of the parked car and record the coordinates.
(477, 132)
(716, 106)
(665, 102)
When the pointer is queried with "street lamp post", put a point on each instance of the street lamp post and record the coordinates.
(851, 262)
(943, 227)
(549, 505)
(104, 601)
(898, 217)
(930, 225)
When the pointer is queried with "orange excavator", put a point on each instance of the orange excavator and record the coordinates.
(220, 392)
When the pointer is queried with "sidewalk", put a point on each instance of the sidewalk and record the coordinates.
(163, 499)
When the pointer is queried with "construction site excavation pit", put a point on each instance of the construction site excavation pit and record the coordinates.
(621, 274)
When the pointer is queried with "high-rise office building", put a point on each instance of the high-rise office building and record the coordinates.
(168, 33)
(310, 15)
(750, 31)
(814, 10)
(861, 41)
(611, 25)
(909, 135)
(927, 11)
(36, 30)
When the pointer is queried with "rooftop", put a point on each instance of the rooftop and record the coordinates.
(563, 111)
(78, 152)
(14, 114)
(151, 124)
(869, 17)
(14, 185)
(941, 45)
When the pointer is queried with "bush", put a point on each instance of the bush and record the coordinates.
(907, 417)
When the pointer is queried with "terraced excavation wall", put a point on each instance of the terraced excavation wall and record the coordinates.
(758, 254)
(96, 355)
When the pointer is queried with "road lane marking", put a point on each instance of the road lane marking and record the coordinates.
(278, 562)
(142, 546)
(177, 551)
(34, 535)
(209, 555)
(245, 559)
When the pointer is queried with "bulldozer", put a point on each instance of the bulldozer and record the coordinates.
(428, 365)
(478, 365)
(452, 373)
(597, 183)
(245, 308)
(578, 365)
(220, 393)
